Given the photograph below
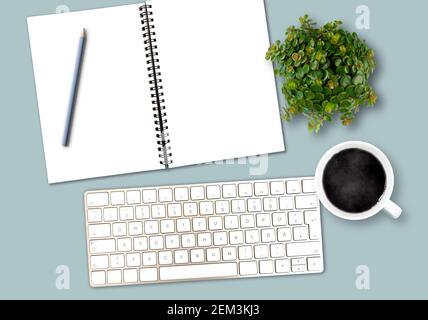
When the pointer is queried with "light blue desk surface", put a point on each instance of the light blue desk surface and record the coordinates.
(43, 226)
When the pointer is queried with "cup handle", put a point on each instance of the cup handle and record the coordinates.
(393, 209)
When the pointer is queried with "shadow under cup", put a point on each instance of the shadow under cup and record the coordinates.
(354, 180)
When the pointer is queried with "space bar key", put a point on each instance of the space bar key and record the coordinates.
(196, 271)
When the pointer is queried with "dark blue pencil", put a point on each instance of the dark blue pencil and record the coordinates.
(74, 89)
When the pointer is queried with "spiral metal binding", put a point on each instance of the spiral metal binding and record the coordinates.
(155, 82)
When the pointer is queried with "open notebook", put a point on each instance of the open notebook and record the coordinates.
(164, 84)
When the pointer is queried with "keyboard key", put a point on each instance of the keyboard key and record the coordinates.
(270, 204)
(308, 186)
(314, 231)
(284, 234)
(263, 220)
(110, 214)
(181, 256)
(248, 268)
(130, 275)
(198, 271)
(295, 218)
(99, 262)
(206, 208)
(181, 194)
(119, 229)
(102, 246)
(117, 261)
(261, 251)
(133, 260)
(266, 266)
(117, 198)
(215, 223)
(140, 244)
(151, 227)
(306, 202)
(98, 277)
(254, 205)
(261, 189)
(190, 209)
(99, 230)
(148, 274)
(222, 207)
(277, 188)
(300, 233)
(199, 224)
(94, 215)
(315, 264)
(279, 219)
(245, 189)
(97, 199)
(197, 193)
(133, 197)
(247, 221)
(277, 250)
(197, 255)
(165, 257)
(172, 241)
(142, 212)
(167, 226)
(238, 206)
(229, 253)
(299, 268)
(286, 203)
(282, 266)
(236, 237)
(231, 222)
(165, 195)
(149, 258)
(298, 261)
(229, 191)
(156, 242)
(188, 240)
(252, 236)
(149, 196)
(293, 186)
(124, 244)
(245, 252)
(126, 213)
(135, 228)
(213, 192)
(183, 225)
(114, 276)
(220, 238)
(213, 254)
(158, 211)
(268, 235)
(174, 210)
(296, 249)
(204, 239)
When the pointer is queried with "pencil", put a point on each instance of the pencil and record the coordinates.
(74, 89)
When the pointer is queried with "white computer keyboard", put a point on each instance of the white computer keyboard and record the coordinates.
(203, 231)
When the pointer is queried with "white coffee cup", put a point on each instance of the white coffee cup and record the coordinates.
(383, 203)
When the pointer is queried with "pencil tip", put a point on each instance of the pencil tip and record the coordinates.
(84, 32)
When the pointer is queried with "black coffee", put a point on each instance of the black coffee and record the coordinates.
(354, 180)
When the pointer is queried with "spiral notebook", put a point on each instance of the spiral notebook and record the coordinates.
(164, 84)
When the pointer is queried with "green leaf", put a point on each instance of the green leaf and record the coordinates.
(309, 95)
(345, 81)
(330, 107)
(358, 79)
(316, 88)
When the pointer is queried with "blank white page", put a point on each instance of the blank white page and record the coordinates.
(113, 130)
(220, 93)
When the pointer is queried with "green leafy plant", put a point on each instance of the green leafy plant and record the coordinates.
(325, 70)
